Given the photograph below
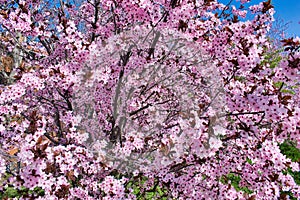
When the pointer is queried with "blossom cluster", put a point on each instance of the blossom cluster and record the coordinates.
(172, 99)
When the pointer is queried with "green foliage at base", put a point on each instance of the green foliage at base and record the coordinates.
(295, 175)
(138, 184)
(235, 181)
(284, 194)
(154, 192)
(11, 192)
(289, 149)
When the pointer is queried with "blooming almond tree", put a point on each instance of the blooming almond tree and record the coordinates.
(173, 99)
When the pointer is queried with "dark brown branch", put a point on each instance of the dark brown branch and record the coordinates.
(281, 86)
(66, 98)
(152, 48)
(242, 113)
(225, 8)
(50, 102)
(57, 121)
(139, 110)
(45, 45)
(51, 139)
(96, 18)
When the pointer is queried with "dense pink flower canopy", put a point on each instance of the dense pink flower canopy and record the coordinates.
(175, 99)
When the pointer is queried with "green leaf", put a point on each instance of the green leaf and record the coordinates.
(235, 180)
(249, 161)
(290, 194)
(150, 195)
(288, 91)
(240, 78)
(11, 192)
(278, 84)
(289, 149)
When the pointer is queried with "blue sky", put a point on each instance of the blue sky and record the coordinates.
(289, 11)
(286, 10)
